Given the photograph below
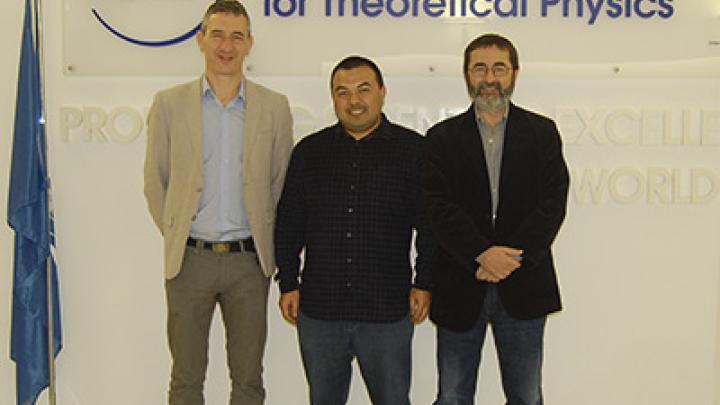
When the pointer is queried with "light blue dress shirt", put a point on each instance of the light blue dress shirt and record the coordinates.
(221, 215)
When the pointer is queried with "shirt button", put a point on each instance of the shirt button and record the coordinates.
(491, 140)
(348, 284)
(349, 260)
(350, 210)
(349, 234)
(354, 164)
(352, 187)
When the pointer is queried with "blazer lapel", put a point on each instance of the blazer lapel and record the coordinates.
(472, 143)
(193, 121)
(253, 107)
(512, 174)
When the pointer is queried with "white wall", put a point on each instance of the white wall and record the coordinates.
(639, 279)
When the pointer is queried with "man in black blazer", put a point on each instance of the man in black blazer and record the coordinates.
(496, 185)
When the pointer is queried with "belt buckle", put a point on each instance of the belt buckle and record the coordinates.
(221, 247)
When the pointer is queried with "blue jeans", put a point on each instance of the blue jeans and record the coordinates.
(519, 345)
(383, 352)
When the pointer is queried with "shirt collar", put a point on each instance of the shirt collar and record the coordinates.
(481, 121)
(207, 91)
(383, 131)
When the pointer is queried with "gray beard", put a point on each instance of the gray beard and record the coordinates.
(492, 103)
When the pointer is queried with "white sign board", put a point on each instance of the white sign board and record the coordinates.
(141, 37)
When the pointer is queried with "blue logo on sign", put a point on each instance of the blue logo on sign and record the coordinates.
(167, 42)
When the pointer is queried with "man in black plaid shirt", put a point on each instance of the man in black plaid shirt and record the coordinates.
(351, 200)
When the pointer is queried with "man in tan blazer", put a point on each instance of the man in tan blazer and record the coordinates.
(217, 152)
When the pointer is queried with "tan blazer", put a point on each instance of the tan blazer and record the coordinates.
(174, 165)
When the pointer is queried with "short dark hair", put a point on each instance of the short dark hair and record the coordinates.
(354, 61)
(488, 40)
(233, 7)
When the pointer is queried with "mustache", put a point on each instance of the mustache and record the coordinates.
(488, 86)
(357, 107)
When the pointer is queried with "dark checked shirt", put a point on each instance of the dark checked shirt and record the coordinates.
(352, 205)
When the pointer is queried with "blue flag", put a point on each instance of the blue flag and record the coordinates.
(29, 217)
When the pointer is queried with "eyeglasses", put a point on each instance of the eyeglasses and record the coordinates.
(498, 70)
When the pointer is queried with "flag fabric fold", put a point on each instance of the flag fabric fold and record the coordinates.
(29, 216)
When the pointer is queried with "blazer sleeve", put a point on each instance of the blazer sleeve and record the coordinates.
(157, 160)
(282, 146)
(537, 231)
(453, 227)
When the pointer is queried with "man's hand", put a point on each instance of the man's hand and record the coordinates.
(290, 305)
(497, 263)
(419, 304)
(483, 275)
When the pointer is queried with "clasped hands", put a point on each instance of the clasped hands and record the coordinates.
(497, 263)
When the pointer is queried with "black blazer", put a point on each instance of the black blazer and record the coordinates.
(531, 207)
